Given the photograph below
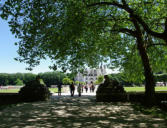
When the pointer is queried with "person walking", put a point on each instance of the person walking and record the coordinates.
(72, 89)
(82, 88)
(86, 88)
(79, 89)
(59, 89)
(92, 86)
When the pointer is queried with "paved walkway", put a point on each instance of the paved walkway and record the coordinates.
(76, 112)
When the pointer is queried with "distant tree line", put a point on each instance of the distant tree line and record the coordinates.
(159, 77)
(55, 78)
(52, 78)
(12, 79)
(49, 78)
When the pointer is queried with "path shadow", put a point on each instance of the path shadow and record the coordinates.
(76, 112)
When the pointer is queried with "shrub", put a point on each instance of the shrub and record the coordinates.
(19, 82)
(66, 81)
(139, 97)
(110, 91)
(34, 91)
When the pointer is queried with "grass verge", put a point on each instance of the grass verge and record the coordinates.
(155, 111)
(54, 90)
(142, 89)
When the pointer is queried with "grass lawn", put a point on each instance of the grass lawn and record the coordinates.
(127, 89)
(9, 90)
(142, 89)
(54, 90)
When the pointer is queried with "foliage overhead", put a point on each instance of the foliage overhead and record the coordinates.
(77, 33)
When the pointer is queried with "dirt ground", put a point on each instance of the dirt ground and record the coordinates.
(76, 112)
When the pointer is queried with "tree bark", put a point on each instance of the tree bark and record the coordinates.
(150, 98)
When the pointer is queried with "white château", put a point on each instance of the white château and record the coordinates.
(91, 74)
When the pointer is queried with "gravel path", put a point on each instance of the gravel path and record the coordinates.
(76, 112)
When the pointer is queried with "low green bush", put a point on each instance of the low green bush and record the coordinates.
(139, 97)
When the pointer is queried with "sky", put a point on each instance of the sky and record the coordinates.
(8, 51)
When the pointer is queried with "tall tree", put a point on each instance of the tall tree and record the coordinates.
(76, 33)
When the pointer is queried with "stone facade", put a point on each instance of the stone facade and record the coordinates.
(91, 74)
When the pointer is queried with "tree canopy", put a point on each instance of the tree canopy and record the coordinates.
(78, 33)
(126, 34)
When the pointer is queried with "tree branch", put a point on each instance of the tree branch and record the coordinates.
(138, 18)
(126, 31)
(146, 27)
(160, 44)
(106, 3)
(124, 2)
(165, 25)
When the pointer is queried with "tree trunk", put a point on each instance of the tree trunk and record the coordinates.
(150, 98)
(164, 83)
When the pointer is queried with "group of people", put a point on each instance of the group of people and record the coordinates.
(80, 88)
(91, 87)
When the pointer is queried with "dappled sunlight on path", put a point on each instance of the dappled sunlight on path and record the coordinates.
(76, 112)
